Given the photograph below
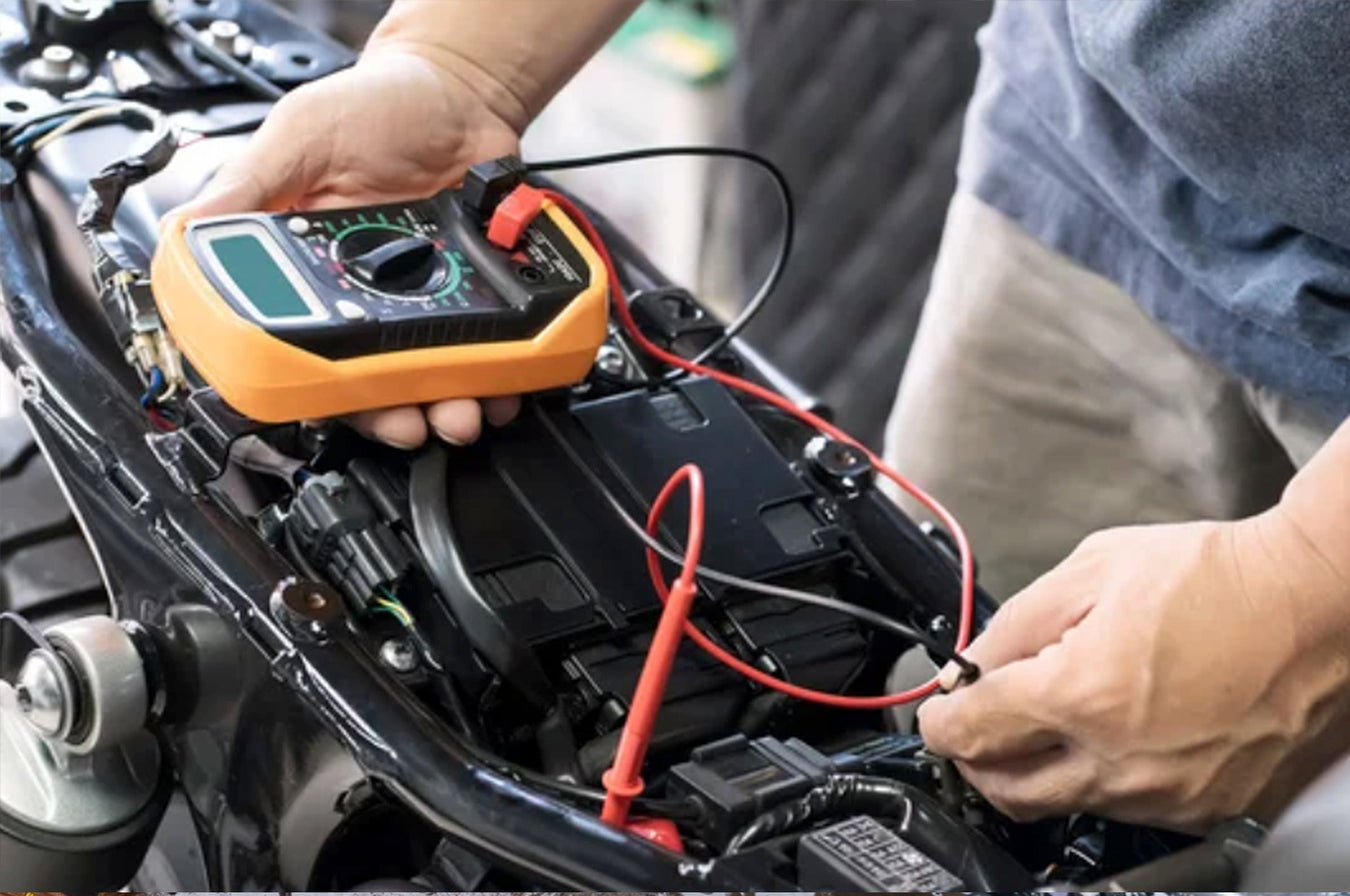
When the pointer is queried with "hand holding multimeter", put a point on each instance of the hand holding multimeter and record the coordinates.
(326, 313)
(396, 125)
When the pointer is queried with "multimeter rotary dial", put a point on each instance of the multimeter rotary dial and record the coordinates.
(395, 262)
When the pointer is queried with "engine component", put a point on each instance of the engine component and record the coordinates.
(226, 36)
(45, 694)
(860, 855)
(57, 68)
(73, 822)
(70, 21)
(82, 782)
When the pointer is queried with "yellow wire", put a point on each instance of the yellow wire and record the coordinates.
(75, 122)
(397, 609)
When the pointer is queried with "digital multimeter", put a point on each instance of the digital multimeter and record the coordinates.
(316, 314)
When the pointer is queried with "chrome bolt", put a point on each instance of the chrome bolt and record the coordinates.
(610, 360)
(226, 35)
(44, 694)
(58, 59)
(398, 655)
(56, 67)
(223, 33)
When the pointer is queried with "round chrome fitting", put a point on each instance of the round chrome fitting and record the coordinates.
(45, 695)
(57, 67)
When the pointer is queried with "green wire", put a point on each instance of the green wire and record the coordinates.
(391, 605)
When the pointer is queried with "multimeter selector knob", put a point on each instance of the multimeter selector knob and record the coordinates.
(391, 261)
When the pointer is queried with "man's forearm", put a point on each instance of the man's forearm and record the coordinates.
(1318, 501)
(516, 53)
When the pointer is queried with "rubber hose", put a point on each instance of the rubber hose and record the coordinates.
(507, 654)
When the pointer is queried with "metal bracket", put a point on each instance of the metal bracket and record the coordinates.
(18, 638)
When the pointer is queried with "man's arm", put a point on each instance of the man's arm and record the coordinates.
(515, 53)
(1317, 502)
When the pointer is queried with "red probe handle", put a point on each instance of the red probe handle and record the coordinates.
(623, 781)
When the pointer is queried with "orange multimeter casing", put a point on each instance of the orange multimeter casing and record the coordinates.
(318, 314)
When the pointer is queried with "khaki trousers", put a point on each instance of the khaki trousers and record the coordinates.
(1040, 404)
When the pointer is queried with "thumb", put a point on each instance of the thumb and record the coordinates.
(1010, 712)
(1029, 622)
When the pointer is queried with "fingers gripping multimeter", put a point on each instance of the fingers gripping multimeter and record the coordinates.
(317, 314)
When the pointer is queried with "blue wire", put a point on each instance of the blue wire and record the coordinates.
(156, 387)
(36, 131)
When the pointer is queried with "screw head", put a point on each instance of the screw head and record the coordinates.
(838, 462)
(398, 655)
(44, 694)
(58, 54)
(311, 607)
(610, 360)
(224, 29)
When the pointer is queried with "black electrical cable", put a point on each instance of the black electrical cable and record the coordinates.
(761, 295)
(247, 126)
(505, 652)
(297, 556)
(165, 12)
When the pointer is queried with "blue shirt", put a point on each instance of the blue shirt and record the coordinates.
(1195, 152)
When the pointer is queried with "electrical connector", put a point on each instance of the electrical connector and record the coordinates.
(488, 183)
(513, 214)
(862, 855)
(340, 532)
(736, 779)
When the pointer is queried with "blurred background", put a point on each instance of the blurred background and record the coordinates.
(859, 103)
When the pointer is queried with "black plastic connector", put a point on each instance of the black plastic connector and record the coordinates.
(861, 855)
(488, 183)
(339, 530)
(737, 779)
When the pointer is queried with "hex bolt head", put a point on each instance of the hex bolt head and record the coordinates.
(398, 654)
(610, 360)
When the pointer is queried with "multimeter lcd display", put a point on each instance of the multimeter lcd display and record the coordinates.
(251, 267)
(262, 281)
